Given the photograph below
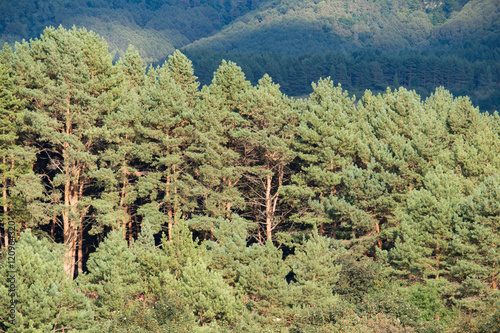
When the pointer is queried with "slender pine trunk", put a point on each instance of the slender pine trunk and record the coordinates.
(269, 216)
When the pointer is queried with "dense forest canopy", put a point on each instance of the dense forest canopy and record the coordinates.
(143, 201)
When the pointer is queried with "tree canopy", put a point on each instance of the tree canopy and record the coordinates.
(133, 200)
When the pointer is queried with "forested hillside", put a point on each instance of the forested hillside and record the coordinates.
(362, 44)
(289, 27)
(465, 71)
(154, 27)
(136, 200)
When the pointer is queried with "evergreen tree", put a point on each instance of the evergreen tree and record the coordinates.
(264, 281)
(183, 74)
(45, 299)
(229, 251)
(428, 226)
(19, 185)
(265, 140)
(474, 257)
(181, 249)
(215, 154)
(113, 277)
(315, 272)
(67, 80)
(208, 294)
(118, 164)
(327, 141)
(166, 128)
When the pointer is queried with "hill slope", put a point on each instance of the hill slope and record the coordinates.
(157, 27)
(305, 26)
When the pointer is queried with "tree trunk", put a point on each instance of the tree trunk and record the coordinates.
(170, 224)
(123, 194)
(227, 205)
(272, 200)
(379, 241)
(269, 215)
(53, 226)
(80, 249)
(68, 232)
(72, 193)
(70, 241)
(130, 231)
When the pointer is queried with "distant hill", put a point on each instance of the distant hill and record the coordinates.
(157, 27)
(295, 27)
(362, 44)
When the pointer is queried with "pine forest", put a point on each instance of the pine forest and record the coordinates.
(136, 197)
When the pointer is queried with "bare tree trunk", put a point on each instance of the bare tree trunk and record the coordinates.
(80, 249)
(68, 232)
(69, 226)
(126, 218)
(226, 206)
(272, 200)
(130, 231)
(72, 195)
(379, 241)
(269, 213)
(170, 224)
(70, 241)
(53, 226)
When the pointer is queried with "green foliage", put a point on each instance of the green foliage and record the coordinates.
(207, 294)
(114, 276)
(455, 68)
(46, 300)
(182, 249)
(393, 304)
(462, 30)
(401, 196)
(19, 185)
(315, 273)
(358, 277)
(169, 314)
(264, 282)
(427, 298)
(229, 251)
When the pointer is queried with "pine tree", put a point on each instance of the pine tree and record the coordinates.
(214, 153)
(265, 141)
(208, 294)
(183, 74)
(45, 299)
(327, 141)
(181, 248)
(19, 186)
(428, 225)
(166, 129)
(264, 281)
(152, 261)
(67, 79)
(113, 277)
(315, 272)
(474, 257)
(229, 250)
(118, 164)
(390, 123)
